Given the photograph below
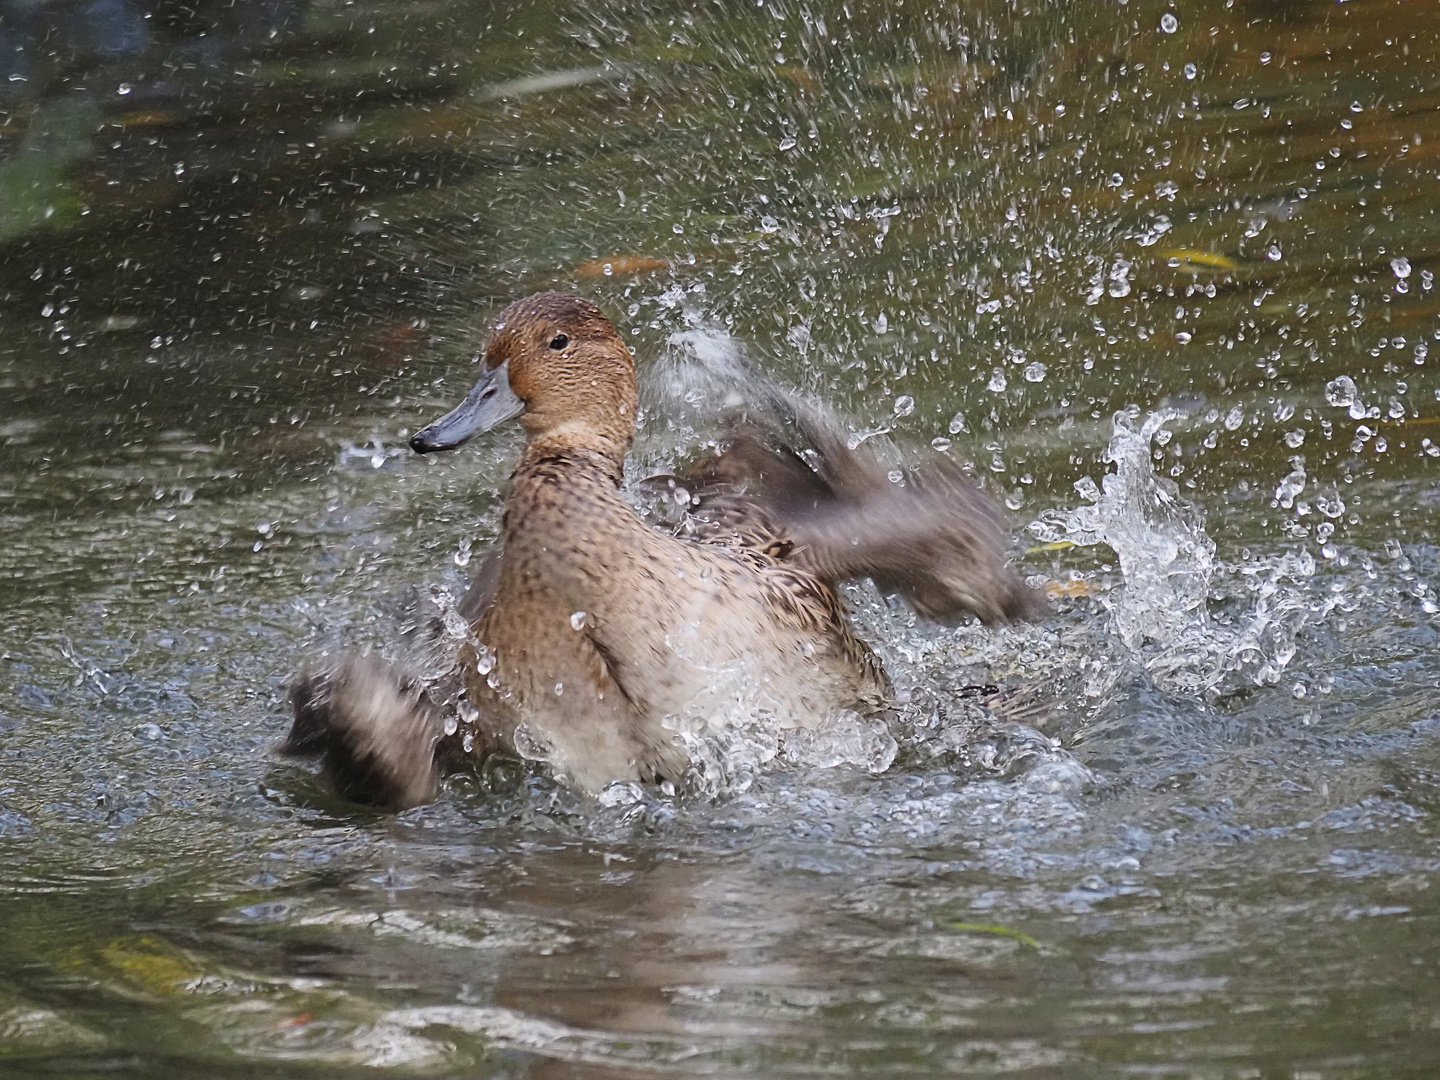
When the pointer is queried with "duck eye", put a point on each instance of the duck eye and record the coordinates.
(559, 341)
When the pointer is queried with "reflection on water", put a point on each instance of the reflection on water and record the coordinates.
(247, 248)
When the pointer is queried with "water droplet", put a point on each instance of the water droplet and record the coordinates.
(1119, 277)
(452, 725)
(1190, 71)
(1274, 254)
(454, 623)
(1400, 268)
(1340, 391)
(1169, 23)
(529, 745)
(1034, 371)
(559, 688)
(997, 382)
(1183, 337)
(467, 710)
(577, 621)
(787, 143)
(485, 662)
(1292, 485)
(904, 405)
(1295, 438)
(957, 424)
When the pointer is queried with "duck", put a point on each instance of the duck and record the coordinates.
(591, 628)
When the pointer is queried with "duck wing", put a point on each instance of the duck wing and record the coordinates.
(481, 593)
(932, 535)
(373, 727)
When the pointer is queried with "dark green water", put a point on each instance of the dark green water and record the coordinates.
(244, 251)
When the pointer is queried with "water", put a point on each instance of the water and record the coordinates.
(1165, 274)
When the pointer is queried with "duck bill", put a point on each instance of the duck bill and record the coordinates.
(489, 402)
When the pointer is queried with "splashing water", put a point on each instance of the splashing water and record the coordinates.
(1161, 613)
(734, 727)
(1165, 555)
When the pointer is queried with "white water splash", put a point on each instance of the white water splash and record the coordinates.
(734, 728)
(1161, 613)
(1165, 555)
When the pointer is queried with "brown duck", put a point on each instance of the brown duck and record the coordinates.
(592, 627)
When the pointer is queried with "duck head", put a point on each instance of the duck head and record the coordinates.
(556, 362)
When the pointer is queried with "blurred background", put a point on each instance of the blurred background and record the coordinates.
(1162, 272)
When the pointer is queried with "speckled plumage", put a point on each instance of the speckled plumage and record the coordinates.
(594, 627)
(659, 612)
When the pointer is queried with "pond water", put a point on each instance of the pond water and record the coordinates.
(1165, 273)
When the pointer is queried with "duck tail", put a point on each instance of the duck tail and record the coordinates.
(372, 725)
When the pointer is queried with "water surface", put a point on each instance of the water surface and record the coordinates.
(1163, 273)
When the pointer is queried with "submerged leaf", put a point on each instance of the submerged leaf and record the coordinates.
(144, 963)
(1055, 589)
(1195, 257)
(1054, 545)
(620, 264)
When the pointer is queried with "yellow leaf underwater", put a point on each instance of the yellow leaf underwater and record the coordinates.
(141, 962)
(147, 118)
(1076, 587)
(800, 77)
(1195, 257)
(619, 264)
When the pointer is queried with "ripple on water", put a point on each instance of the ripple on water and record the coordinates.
(1192, 834)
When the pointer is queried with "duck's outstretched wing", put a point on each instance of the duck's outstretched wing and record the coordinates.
(372, 725)
(932, 536)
